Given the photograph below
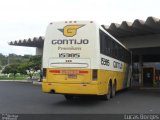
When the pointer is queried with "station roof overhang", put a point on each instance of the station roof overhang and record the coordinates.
(137, 28)
(31, 42)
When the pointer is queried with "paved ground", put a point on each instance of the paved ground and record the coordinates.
(16, 97)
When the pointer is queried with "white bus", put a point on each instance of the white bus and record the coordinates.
(82, 58)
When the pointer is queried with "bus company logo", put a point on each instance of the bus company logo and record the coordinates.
(70, 30)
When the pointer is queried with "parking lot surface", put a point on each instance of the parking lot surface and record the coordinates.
(18, 97)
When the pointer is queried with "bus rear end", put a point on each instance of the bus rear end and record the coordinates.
(70, 58)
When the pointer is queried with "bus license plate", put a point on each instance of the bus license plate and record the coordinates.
(72, 76)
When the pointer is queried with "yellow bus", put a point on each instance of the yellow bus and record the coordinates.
(82, 58)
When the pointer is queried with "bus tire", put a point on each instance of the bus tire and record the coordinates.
(69, 97)
(108, 96)
(113, 90)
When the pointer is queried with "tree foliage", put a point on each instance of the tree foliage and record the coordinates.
(12, 68)
(28, 67)
(3, 60)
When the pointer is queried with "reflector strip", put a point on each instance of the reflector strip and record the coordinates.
(68, 72)
(54, 71)
(83, 72)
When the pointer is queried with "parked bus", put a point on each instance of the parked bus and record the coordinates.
(82, 58)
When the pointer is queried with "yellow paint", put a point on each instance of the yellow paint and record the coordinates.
(71, 30)
(83, 84)
(106, 76)
(71, 88)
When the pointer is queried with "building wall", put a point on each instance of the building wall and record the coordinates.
(39, 51)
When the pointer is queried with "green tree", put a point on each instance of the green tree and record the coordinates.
(3, 60)
(6, 70)
(23, 67)
(12, 68)
(31, 66)
(35, 62)
(22, 64)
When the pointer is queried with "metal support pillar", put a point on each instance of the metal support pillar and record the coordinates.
(140, 70)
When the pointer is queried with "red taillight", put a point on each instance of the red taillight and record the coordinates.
(83, 72)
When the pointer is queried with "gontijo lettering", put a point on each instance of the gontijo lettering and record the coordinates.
(70, 41)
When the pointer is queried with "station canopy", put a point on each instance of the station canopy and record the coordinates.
(126, 29)
(137, 28)
(31, 42)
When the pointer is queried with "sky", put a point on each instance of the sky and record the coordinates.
(23, 19)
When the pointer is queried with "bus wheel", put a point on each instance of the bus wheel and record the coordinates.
(108, 96)
(69, 97)
(113, 90)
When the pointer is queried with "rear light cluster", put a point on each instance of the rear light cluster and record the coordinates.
(69, 71)
(44, 73)
(94, 74)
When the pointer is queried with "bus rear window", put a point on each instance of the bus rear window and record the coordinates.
(69, 65)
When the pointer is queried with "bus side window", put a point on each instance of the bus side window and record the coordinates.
(113, 49)
(105, 44)
(108, 45)
(102, 50)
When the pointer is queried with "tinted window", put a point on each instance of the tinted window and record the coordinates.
(111, 48)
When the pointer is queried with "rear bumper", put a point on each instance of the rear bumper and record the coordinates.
(60, 88)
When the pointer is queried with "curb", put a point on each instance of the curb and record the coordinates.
(150, 88)
(37, 83)
(15, 81)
